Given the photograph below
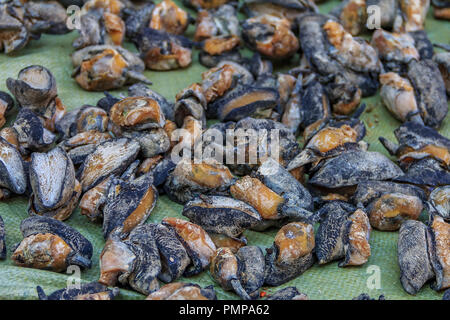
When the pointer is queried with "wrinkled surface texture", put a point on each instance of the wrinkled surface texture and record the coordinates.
(319, 282)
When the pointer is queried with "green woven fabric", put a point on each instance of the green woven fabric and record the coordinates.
(319, 282)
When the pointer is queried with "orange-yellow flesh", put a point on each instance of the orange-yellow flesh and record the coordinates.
(99, 164)
(414, 12)
(208, 4)
(354, 52)
(298, 174)
(223, 241)
(216, 81)
(256, 194)
(196, 88)
(165, 291)
(209, 176)
(335, 32)
(167, 16)
(88, 137)
(88, 203)
(442, 13)
(141, 211)
(179, 57)
(387, 42)
(204, 26)
(183, 55)
(294, 240)
(115, 259)
(334, 196)
(215, 46)
(345, 107)
(60, 111)
(441, 231)
(286, 84)
(394, 80)
(398, 95)
(90, 117)
(101, 70)
(224, 266)
(247, 99)
(437, 152)
(111, 6)
(353, 16)
(193, 126)
(311, 129)
(442, 197)
(10, 135)
(330, 138)
(283, 43)
(42, 251)
(169, 128)
(149, 163)
(187, 293)
(195, 237)
(115, 27)
(274, 10)
(115, 62)
(135, 110)
(358, 238)
(391, 206)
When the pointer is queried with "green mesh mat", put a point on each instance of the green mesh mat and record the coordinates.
(319, 282)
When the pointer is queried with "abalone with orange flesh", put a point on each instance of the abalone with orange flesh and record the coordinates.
(190, 179)
(163, 51)
(291, 253)
(110, 157)
(105, 67)
(440, 238)
(196, 241)
(394, 49)
(271, 36)
(133, 261)
(6, 104)
(51, 245)
(183, 291)
(167, 16)
(128, 204)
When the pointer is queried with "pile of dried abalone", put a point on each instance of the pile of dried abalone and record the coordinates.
(114, 159)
